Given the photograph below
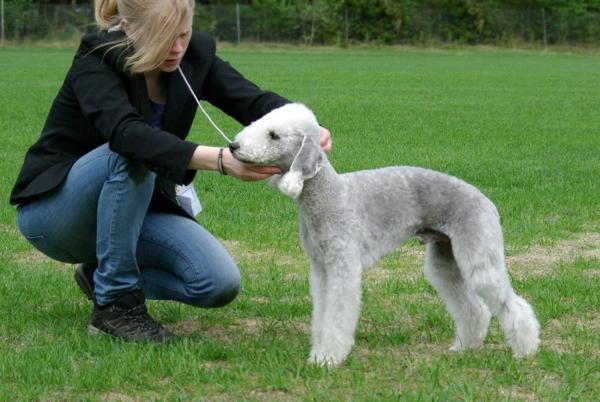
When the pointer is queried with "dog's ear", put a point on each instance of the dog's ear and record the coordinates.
(306, 165)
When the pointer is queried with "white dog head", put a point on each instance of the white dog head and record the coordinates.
(287, 137)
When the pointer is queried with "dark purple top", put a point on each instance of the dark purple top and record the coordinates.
(158, 114)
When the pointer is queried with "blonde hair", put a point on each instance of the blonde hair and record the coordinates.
(151, 27)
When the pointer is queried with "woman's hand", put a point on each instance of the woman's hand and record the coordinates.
(245, 171)
(205, 158)
(325, 140)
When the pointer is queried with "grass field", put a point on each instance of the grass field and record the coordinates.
(522, 126)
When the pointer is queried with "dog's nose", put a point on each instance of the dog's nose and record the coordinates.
(233, 146)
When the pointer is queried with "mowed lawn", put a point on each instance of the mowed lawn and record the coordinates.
(523, 126)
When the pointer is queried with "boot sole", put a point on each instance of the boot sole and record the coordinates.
(93, 331)
(83, 284)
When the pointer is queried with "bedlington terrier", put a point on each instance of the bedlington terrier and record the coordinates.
(350, 221)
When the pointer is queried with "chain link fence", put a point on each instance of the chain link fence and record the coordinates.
(321, 24)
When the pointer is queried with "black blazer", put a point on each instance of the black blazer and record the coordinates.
(100, 102)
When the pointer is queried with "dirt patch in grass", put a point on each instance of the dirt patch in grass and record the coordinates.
(273, 395)
(9, 229)
(31, 256)
(260, 300)
(551, 337)
(117, 397)
(557, 332)
(221, 333)
(593, 323)
(540, 260)
(407, 261)
(186, 327)
(516, 393)
(109, 396)
(402, 352)
(407, 272)
(415, 251)
(405, 264)
(241, 252)
(537, 261)
(251, 326)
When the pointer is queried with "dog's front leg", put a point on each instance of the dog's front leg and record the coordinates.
(317, 281)
(340, 313)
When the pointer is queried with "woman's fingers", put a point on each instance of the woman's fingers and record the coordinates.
(325, 139)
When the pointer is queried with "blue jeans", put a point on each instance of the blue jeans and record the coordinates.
(100, 215)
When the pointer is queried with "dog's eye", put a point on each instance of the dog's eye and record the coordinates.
(273, 135)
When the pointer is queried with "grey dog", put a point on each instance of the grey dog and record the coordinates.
(350, 221)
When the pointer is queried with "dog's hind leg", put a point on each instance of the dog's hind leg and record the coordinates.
(482, 265)
(471, 316)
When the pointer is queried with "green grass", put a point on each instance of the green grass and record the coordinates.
(521, 125)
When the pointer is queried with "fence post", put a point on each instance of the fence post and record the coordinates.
(237, 23)
(346, 27)
(313, 18)
(545, 33)
(1, 22)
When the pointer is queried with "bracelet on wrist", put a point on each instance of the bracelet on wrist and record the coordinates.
(220, 166)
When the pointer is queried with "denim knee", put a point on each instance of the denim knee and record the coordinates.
(224, 295)
(221, 291)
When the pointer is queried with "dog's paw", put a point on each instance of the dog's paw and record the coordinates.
(324, 360)
(456, 346)
(525, 349)
(459, 346)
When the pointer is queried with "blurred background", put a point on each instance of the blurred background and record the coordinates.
(510, 23)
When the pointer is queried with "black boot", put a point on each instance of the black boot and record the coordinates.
(84, 276)
(128, 319)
